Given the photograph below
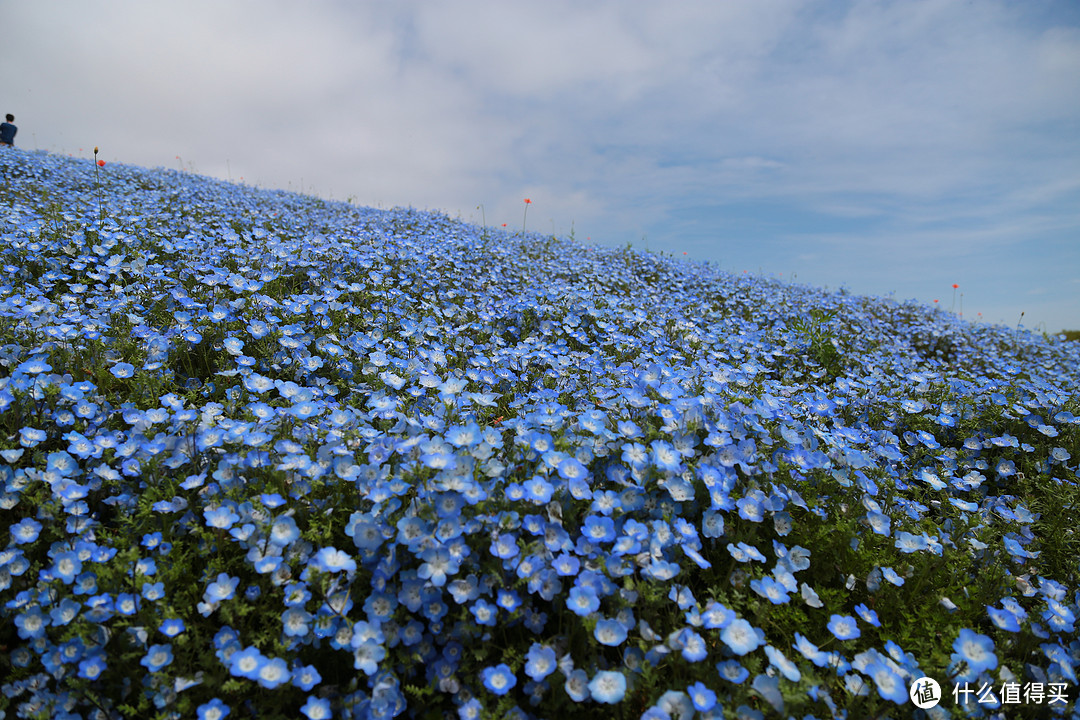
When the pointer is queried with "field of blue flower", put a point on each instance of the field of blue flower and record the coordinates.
(269, 456)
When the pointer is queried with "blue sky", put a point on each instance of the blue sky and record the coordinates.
(892, 148)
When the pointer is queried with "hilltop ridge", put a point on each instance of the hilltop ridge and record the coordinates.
(525, 274)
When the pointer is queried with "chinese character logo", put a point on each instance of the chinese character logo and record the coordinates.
(925, 693)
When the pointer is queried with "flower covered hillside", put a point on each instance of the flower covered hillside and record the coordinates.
(264, 455)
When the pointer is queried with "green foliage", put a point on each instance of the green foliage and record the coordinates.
(819, 333)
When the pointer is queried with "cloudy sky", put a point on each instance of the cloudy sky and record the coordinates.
(889, 147)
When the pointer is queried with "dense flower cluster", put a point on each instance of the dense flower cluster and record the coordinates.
(265, 455)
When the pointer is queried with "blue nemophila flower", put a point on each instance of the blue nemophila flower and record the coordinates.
(498, 679)
(892, 576)
(92, 666)
(484, 612)
(379, 606)
(25, 531)
(908, 543)
(682, 596)
(712, 524)
(1013, 605)
(122, 370)
(635, 454)
(1012, 544)
(272, 500)
(1059, 455)
(750, 508)
(692, 646)
(810, 651)
(676, 704)
(246, 662)
(305, 677)
(660, 570)
(258, 383)
(13, 454)
(438, 564)
(367, 654)
(701, 696)
(272, 673)
(172, 627)
(566, 564)
(745, 553)
(305, 409)
(583, 600)
(66, 611)
(470, 710)
(771, 590)
(538, 490)
(577, 685)
(868, 615)
(146, 566)
(879, 522)
(284, 531)
(608, 686)
(86, 410)
(889, 684)
(332, 560)
(844, 627)
(717, 616)
(1047, 430)
(913, 406)
(783, 523)
(32, 623)
(34, 366)
(504, 546)
(508, 600)
(609, 632)
(540, 662)
(665, 456)
(223, 588)
(741, 637)
(66, 566)
(464, 590)
(316, 708)
(31, 437)
(572, 469)
(151, 541)
(294, 621)
(787, 668)
(1058, 616)
(412, 530)
(974, 649)
(233, 345)
(463, 435)
(599, 529)
(127, 604)
(157, 657)
(221, 517)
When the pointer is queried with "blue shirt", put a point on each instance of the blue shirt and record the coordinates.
(7, 133)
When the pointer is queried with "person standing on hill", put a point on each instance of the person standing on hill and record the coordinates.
(7, 131)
